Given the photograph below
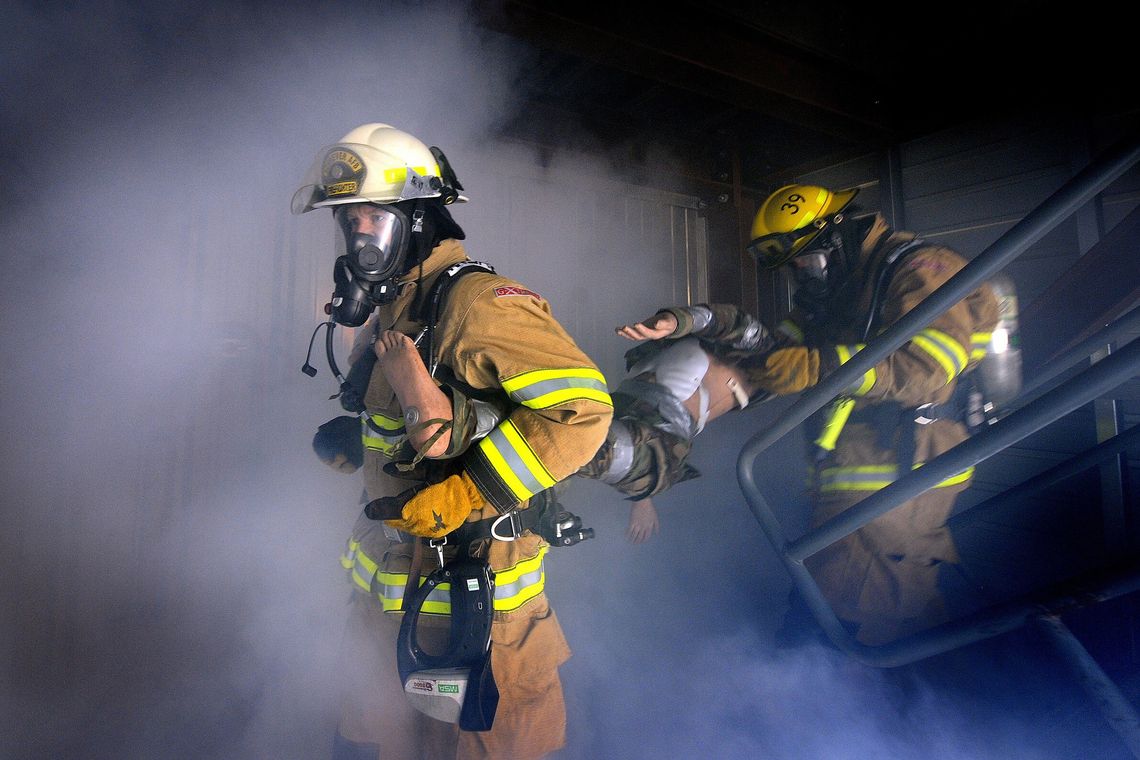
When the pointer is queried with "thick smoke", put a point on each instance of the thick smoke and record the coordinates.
(169, 553)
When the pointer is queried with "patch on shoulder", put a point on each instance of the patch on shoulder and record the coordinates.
(512, 290)
(921, 262)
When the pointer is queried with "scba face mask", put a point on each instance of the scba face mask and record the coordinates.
(373, 245)
(818, 273)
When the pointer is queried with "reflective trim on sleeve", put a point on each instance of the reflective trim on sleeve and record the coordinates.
(862, 386)
(949, 353)
(381, 433)
(544, 388)
(516, 464)
(874, 477)
(979, 343)
(837, 415)
(514, 586)
(791, 330)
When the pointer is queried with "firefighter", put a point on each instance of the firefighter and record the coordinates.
(855, 276)
(532, 409)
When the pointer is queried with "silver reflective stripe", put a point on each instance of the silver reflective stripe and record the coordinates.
(487, 418)
(677, 422)
(702, 317)
(513, 461)
(621, 453)
(508, 590)
(543, 387)
(753, 335)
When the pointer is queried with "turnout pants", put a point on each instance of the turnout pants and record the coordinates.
(884, 577)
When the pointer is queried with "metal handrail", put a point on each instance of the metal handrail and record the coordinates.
(1114, 332)
(1062, 471)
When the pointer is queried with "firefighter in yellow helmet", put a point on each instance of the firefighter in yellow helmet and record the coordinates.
(855, 276)
(532, 410)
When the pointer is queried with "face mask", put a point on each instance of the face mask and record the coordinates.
(372, 246)
(811, 271)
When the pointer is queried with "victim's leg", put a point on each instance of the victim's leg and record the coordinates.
(419, 396)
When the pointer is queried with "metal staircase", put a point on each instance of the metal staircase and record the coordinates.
(1064, 384)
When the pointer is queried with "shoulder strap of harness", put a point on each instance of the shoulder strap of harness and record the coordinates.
(435, 301)
(885, 272)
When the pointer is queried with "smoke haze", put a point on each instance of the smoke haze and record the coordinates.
(169, 553)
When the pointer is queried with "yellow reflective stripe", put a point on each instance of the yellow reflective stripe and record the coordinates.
(514, 587)
(954, 480)
(511, 457)
(544, 388)
(400, 173)
(348, 559)
(364, 570)
(391, 594)
(792, 330)
(946, 351)
(979, 342)
(868, 381)
(837, 416)
(875, 477)
(387, 423)
(809, 213)
(379, 442)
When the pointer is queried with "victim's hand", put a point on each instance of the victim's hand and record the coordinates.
(643, 523)
(656, 327)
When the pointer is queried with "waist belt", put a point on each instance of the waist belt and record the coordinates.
(540, 518)
(888, 417)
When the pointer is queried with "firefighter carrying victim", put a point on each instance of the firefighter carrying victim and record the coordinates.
(455, 477)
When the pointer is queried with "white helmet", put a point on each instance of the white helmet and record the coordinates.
(376, 163)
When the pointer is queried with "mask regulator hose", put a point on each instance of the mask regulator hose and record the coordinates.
(330, 356)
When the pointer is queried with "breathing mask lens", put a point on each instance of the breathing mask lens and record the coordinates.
(810, 271)
(372, 244)
(811, 268)
(373, 238)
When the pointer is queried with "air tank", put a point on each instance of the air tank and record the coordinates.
(999, 373)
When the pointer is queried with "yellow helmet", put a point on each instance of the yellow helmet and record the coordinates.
(790, 217)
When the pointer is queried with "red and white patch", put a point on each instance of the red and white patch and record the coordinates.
(511, 290)
(932, 264)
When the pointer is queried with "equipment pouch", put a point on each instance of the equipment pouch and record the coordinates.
(456, 686)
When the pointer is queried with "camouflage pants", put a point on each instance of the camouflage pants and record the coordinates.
(658, 461)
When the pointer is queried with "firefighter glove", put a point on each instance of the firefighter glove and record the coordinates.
(790, 370)
(441, 508)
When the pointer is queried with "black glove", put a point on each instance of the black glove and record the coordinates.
(338, 443)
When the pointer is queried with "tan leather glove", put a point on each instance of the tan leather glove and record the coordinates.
(790, 370)
(441, 508)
